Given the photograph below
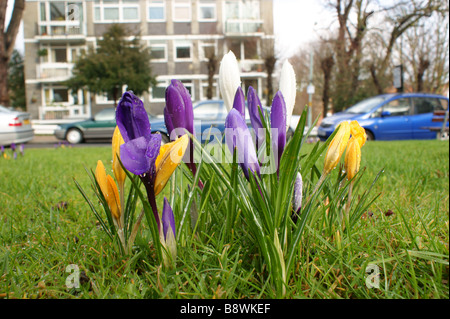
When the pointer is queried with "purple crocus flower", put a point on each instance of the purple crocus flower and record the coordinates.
(138, 153)
(237, 136)
(168, 220)
(179, 115)
(253, 108)
(13, 147)
(21, 149)
(239, 101)
(278, 124)
(2, 149)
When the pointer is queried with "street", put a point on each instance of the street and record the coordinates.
(49, 141)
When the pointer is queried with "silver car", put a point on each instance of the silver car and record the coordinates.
(15, 127)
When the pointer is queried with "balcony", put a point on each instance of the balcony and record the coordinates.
(251, 66)
(243, 27)
(61, 31)
(53, 72)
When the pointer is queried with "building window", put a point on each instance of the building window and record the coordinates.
(207, 50)
(207, 11)
(57, 18)
(239, 16)
(56, 95)
(181, 10)
(116, 11)
(158, 51)
(156, 11)
(158, 91)
(183, 52)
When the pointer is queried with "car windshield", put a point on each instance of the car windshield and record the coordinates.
(365, 105)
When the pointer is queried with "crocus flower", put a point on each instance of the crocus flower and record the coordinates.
(2, 149)
(336, 147)
(141, 149)
(109, 190)
(298, 192)
(254, 104)
(179, 115)
(13, 147)
(168, 234)
(239, 101)
(288, 87)
(358, 132)
(229, 78)
(21, 149)
(352, 157)
(237, 136)
(169, 158)
(119, 173)
(278, 124)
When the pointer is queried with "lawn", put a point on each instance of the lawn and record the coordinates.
(47, 229)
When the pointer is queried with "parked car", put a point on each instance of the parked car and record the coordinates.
(398, 116)
(15, 127)
(101, 126)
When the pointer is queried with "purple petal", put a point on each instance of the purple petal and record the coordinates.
(131, 117)
(253, 108)
(278, 124)
(139, 155)
(168, 220)
(175, 107)
(237, 135)
(168, 121)
(239, 101)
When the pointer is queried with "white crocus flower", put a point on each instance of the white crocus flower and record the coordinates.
(229, 78)
(288, 88)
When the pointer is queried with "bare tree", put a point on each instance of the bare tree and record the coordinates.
(7, 41)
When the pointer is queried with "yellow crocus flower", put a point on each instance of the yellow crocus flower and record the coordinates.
(109, 189)
(170, 156)
(352, 157)
(119, 173)
(336, 147)
(358, 132)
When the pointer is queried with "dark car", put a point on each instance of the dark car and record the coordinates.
(398, 116)
(100, 127)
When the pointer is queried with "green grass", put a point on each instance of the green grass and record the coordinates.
(40, 237)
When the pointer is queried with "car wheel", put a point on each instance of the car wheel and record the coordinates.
(74, 136)
(369, 136)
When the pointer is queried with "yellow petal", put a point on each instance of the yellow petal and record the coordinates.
(118, 171)
(170, 156)
(358, 132)
(336, 147)
(352, 158)
(113, 198)
(100, 176)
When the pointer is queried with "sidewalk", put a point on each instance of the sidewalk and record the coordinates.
(44, 139)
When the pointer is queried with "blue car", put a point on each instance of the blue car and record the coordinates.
(399, 116)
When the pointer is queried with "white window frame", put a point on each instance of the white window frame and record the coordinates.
(158, 45)
(160, 83)
(183, 45)
(51, 87)
(151, 4)
(120, 6)
(165, 83)
(206, 5)
(181, 5)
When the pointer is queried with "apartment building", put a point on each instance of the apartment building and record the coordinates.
(180, 33)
